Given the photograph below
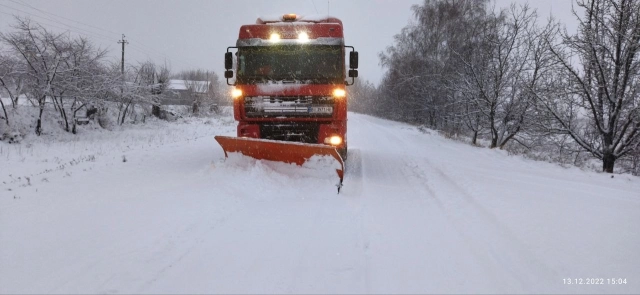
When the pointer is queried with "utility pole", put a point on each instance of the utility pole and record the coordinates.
(123, 42)
(121, 119)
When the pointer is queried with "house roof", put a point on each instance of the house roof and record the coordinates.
(197, 86)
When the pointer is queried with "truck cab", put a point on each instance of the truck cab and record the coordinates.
(289, 75)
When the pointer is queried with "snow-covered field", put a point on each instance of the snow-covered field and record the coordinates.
(156, 209)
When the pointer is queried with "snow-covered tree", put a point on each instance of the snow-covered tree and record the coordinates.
(149, 84)
(362, 96)
(495, 75)
(599, 74)
(421, 85)
(33, 44)
(12, 73)
(52, 68)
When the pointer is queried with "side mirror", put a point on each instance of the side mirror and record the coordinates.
(353, 73)
(228, 61)
(353, 61)
(228, 74)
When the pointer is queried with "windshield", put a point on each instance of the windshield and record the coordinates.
(293, 63)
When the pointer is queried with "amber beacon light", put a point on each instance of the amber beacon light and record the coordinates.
(289, 17)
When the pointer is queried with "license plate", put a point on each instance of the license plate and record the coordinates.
(321, 110)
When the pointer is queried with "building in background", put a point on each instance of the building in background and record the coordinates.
(187, 92)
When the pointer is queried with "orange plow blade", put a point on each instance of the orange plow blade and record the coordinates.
(279, 151)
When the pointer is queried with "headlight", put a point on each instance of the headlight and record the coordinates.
(275, 37)
(340, 93)
(235, 93)
(303, 37)
(333, 140)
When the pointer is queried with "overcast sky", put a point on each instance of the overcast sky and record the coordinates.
(195, 33)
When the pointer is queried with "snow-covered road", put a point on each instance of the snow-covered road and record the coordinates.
(418, 214)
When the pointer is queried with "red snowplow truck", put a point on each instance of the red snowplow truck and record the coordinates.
(289, 93)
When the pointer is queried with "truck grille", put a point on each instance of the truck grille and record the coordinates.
(298, 132)
(289, 106)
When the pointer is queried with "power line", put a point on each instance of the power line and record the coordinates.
(58, 22)
(92, 34)
(164, 55)
(148, 54)
(87, 34)
(62, 28)
(314, 6)
(53, 14)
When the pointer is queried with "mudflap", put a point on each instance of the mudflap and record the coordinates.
(279, 151)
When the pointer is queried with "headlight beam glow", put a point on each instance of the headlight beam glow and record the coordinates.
(303, 37)
(235, 93)
(339, 93)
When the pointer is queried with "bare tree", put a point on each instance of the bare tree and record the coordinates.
(6, 72)
(83, 77)
(362, 96)
(12, 77)
(150, 83)
(600, 109)
(52, 67)
(41, 51)
(494, 76)
(420, 85)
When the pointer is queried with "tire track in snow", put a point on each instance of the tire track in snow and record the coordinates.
(406, 232)
(312, 229)
(471, 220)
(189, 235)
(353, 195)
(491, 242)
(196, 234)
(353, 182)
(482, 228)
